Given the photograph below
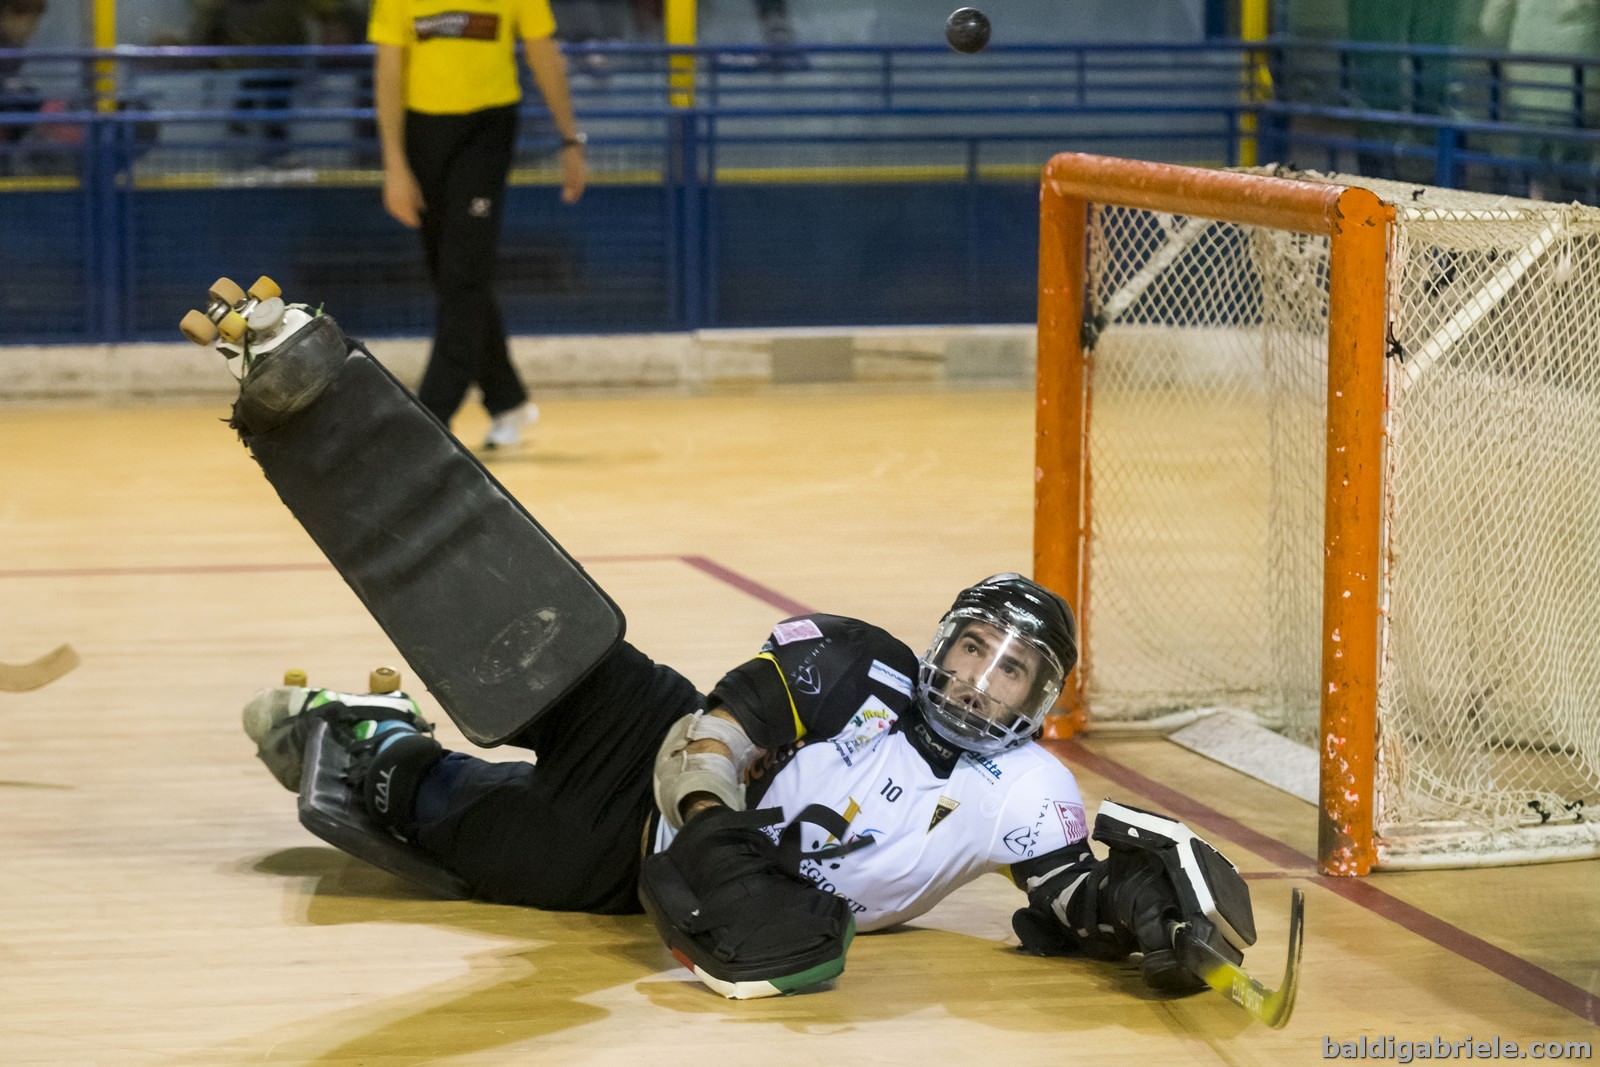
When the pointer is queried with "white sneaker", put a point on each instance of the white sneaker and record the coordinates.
(505, 431)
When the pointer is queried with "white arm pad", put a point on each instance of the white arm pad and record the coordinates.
(679, 772)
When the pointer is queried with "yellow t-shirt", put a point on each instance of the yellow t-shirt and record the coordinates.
(461, 55)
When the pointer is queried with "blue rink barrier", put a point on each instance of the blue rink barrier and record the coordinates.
(849, 185)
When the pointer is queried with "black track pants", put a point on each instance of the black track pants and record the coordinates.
(461, 162)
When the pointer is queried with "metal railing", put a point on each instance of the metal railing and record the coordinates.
(842, 185)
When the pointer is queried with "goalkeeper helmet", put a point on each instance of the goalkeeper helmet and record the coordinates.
(997, 664)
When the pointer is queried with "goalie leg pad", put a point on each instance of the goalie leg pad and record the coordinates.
(334, 810)
(730, 911)
(1212, 897)
(490, 612)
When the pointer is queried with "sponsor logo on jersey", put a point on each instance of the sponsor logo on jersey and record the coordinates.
(807, 679)
(813, 873)
(869, 723)
(874, 712)
(945, 807)
(989, 766)
(1073, 822)
(884, 674)
(796, 630)
(459, 25)
(1021, 840)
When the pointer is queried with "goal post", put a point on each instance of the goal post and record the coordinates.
(1226, 362)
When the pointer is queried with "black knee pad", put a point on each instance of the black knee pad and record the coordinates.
(389, 786)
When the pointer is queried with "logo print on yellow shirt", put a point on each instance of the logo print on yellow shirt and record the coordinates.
(462, 25)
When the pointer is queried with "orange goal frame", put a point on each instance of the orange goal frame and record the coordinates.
(1358, 224)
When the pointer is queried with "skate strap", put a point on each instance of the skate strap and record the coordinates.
(791, 851)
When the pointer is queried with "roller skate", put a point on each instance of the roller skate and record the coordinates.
(280, 719)
(364, 757)
(288, 353)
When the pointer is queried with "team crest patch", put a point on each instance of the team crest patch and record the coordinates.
(946, 806)
(797, 630)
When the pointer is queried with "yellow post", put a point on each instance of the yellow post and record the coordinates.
(680, 23)
(105, 36)
(1258, 83)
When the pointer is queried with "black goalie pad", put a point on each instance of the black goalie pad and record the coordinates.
(332, 809)
(731, 910)
(494, 617)
(1213, 898)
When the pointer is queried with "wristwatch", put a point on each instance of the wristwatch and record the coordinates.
(579, 138)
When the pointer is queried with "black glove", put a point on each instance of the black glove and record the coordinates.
(721, 894)
(1138, 898)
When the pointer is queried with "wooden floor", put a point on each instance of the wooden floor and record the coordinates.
(163, 906)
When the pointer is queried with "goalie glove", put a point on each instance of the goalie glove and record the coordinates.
(1159, 877)
(731, 906)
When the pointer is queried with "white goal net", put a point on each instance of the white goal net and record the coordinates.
(1207, 434)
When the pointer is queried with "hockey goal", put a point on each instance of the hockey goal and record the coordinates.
(1323, 454)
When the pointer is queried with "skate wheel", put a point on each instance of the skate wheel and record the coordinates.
(197, 328)
(227, 290)
(383, 680)
(265, 288)
(294, 676)
(232, 327)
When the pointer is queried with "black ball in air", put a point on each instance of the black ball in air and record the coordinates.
(967, 29)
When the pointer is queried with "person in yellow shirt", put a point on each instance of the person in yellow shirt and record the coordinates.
(447, 92)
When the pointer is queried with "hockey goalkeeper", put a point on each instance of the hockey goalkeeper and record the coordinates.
(835, 782)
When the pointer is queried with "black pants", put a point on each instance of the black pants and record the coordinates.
(565, 834)
(461, 162)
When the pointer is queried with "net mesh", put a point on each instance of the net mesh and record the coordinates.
(1207, 439)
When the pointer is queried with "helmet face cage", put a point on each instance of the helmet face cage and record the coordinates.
(985, 686)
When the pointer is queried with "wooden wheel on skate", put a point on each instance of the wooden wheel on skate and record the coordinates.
(198, 328)
(227, 312)
(383, 680)
(233, 326)
(264, 288)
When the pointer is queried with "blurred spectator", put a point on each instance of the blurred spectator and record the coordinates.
(18, 21)
(1548, 93)
(773, 15)
(772, 20)
(263, 82)
(591, 22)
(1401, 83)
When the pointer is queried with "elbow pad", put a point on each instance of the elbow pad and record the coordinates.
(679, 772)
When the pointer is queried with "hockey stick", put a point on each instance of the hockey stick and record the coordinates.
(1264, 1005)
(18, 677)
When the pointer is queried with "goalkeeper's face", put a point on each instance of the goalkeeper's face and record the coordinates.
(992, 672)
(986, 688)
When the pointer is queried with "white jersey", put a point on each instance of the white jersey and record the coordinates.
(834, 700)
(931, 834)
